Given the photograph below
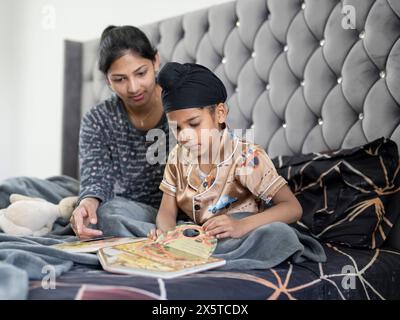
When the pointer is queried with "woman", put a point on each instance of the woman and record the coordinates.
(115, 158)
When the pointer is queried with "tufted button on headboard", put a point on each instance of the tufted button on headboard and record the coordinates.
(304, 75)
(309, 75)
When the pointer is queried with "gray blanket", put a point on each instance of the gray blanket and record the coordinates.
(29, 258)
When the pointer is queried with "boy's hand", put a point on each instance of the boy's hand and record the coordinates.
(223, 226)
(154, 234)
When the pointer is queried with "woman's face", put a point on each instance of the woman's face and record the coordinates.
(198, 130)
(132, 78)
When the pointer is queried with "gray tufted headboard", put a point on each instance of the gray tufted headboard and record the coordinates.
(292, 69)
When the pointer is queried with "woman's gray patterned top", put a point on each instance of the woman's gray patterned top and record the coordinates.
(116, 159)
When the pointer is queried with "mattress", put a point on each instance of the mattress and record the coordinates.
(348, 274)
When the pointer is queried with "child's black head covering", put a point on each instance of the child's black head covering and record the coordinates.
(189, 85)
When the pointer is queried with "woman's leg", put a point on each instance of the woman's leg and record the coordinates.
(123, 217)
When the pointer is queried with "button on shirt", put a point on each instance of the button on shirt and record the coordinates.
(242, 176)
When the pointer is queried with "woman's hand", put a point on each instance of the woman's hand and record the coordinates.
(154, 234)
(84, 214)
(223, 226)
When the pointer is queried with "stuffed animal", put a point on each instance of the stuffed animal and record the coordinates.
(27, 216)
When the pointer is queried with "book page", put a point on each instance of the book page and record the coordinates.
(190, 239)
(116, 258)
(92, 245)
(152, 257)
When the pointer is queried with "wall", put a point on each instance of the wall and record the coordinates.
(31, 71)
(9, 106)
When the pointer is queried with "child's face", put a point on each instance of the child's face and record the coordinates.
(198, 129)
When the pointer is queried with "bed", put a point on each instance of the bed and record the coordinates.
(309, 76)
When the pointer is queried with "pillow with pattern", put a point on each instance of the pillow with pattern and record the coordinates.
(349, 196)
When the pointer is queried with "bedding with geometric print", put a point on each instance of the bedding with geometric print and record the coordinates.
(348, 274)
(348, 196)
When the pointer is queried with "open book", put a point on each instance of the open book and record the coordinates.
(183, 250)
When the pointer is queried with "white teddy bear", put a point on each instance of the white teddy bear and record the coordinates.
(27, 216)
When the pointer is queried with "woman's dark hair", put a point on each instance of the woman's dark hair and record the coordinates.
(117, 41)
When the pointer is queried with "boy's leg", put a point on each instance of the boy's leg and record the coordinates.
(268, 246)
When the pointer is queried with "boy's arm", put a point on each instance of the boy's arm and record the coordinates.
(287, 209)
(166, 217)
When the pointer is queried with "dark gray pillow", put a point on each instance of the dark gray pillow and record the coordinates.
(348, 196)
